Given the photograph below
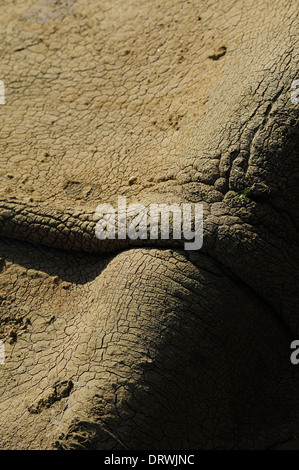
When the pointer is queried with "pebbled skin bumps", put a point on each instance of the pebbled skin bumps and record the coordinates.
(128, 347)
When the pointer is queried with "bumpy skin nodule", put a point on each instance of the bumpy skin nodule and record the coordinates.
(134, 344)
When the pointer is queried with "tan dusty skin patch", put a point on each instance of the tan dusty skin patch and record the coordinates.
(98, 95)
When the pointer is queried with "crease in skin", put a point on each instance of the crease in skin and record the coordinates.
(78, 234)
(59, 229)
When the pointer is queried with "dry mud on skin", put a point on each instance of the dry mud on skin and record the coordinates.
(134, 345)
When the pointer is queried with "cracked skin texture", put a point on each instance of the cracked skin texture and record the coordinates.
(127, 345)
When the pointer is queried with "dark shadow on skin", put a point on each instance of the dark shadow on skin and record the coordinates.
(79, 268)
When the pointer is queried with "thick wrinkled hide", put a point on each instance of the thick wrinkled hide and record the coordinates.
(125, 344)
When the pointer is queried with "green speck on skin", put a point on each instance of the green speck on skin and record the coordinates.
(241, 194)
(244, 193)
(281, 130)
